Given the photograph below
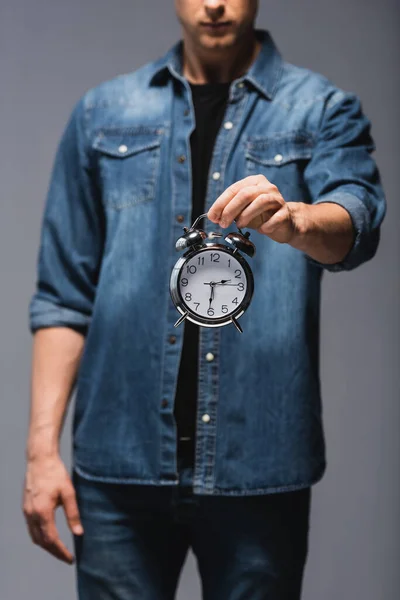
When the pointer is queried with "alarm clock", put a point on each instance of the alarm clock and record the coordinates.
(212, 284)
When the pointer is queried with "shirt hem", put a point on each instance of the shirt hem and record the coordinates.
(204, 490)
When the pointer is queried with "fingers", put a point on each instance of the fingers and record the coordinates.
(216, 210)
(250, 201)
(34, 531)
(68, 498)
(280, 227)
(43, 531)
(260, 210)
(50, 541)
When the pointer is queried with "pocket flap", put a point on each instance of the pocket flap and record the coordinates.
(120, 143)
(279, 149)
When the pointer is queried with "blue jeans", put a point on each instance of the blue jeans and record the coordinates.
(137, 537)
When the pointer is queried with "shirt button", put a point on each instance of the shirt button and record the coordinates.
(122, 149)
(186, 112)
(164, 403)
(180, 218)
(228, 125)
(181, 158)
(216, 176)
(209, 356)
(278, 158)
(206, 418)
(240, 84)
(172, 339)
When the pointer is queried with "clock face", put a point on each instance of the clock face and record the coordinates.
(212, 284)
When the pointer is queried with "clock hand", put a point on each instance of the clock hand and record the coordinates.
(212, 294)
(223, 282)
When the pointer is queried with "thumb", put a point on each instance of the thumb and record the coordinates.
(71, 511)
(280, 226)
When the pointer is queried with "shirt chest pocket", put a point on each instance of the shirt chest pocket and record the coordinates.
(127, 162)
(282, 159)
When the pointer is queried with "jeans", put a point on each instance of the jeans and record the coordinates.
(137, 537)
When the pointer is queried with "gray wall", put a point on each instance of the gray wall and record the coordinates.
(50, 53)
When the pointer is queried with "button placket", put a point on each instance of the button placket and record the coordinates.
(224, 142)
(207, 408)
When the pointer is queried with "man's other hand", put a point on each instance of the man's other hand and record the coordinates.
(47, 486)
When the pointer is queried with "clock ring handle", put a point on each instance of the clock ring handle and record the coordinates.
(219, 235)
(198, 219)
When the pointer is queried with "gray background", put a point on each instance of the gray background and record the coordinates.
(50, 53)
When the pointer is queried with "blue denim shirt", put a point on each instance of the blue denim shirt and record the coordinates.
(119, 195)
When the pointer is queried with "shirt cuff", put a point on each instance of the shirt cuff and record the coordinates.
(361, 222)
(44, 313)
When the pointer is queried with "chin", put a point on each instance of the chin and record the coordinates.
(217, 42)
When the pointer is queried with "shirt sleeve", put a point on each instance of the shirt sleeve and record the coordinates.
(343, 171)
(72, 235)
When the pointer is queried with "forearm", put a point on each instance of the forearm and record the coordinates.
(55, 360)
(323, 231)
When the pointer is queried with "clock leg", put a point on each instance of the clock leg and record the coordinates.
(181, 318)
(236, 324)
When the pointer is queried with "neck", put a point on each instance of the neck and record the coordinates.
(212, 66)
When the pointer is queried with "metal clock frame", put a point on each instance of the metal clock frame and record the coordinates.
(186, 312)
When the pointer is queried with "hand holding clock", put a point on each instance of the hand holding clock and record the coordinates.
(256, 203)
(323, 230)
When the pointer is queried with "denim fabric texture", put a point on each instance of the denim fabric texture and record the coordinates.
(137, 538)
(119, 195)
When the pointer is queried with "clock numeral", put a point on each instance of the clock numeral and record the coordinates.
(184, 282)
(224, 309)
(235, 301)
(240, 287)
(229, 262)
(191, 269)
(238, 274)
(200, 260)
(197, 304)
(214, 256)
(210, 312)
(188, 297)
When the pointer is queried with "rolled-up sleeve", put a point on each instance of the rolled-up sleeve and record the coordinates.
(343, 171)
(72, 235)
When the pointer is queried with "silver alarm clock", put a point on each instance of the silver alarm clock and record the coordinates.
(212, 284)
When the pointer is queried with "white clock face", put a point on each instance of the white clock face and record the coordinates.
(212, 284)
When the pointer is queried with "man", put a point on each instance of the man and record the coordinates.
(188, 437)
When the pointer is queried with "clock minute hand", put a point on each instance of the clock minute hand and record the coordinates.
(222, 282)
(212, 284)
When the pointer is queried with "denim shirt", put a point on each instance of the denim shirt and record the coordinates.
(119, 196)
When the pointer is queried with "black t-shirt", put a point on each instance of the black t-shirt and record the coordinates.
(209, 102)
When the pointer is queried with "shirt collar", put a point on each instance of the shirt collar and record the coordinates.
(264, 73)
